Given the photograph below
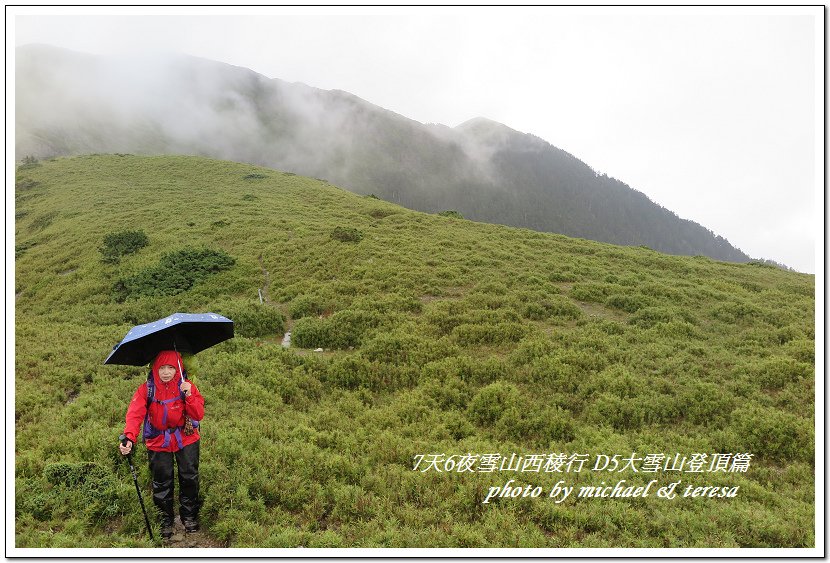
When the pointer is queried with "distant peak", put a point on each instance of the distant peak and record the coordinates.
(477, 122)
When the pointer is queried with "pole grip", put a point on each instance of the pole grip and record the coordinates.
(123, 439)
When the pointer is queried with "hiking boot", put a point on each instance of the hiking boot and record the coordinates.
(190, 525)
(166, 527)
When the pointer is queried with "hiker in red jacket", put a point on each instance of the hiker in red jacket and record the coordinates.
(170, 408)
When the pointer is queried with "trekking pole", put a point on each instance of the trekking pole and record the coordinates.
(129, 456)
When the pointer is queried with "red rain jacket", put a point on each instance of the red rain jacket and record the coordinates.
(193, 406)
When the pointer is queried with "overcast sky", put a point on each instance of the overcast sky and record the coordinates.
(712, 113)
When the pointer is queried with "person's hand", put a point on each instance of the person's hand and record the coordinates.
(125, 450)
(186, 388)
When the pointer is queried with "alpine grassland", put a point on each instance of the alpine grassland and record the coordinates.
(459, 361)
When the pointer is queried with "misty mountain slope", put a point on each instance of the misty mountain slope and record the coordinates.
(439, 335)
(69, 103)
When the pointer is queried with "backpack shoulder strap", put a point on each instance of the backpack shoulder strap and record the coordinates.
(151, 388)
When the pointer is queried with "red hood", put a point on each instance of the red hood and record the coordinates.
(167, 357)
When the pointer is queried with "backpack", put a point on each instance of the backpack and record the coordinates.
(151, 431)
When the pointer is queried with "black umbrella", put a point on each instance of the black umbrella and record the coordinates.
(185, 332)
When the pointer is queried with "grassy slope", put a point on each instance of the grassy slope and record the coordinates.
(456, 337)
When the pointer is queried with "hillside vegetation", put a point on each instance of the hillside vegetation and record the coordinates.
(440, 335)
(69, 103)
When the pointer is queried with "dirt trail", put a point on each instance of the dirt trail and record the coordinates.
(289, 322)
(195, 539)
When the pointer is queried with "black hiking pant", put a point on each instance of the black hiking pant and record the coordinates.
(161, 468)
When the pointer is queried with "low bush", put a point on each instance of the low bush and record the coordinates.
(474, 371)
(532, 348)
(650, 316)
(28, 163)
(489, 334)
(405, 348)
(309, 306)
(777, 372)
(628, 303)
(347, 234)
(19, 249)
(254, 320)
(491, 402)
(590, 291)
(341, 330)
(356, 372)
(451, 393)
(736, 312)
(42, 221)
(769, 432)
(551, 424)
(73, 474)
(121, 244)
(706, 404)
(176, 272)
(554, 373)
(619, 413)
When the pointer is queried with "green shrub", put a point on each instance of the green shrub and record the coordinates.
(590, 291)
(121, 244)
(621, 414)
(352, 372)
(28, 163)
(403, 348)
(73, 474)
(562, 308)
(346, 234)
(457, 425)
(444, 316)
(706, 404)
(176, 272)
(491, 402)
(42, 221)
(389, 303)
(86, 489)
(254, 320)
(532, 348)
(341, 330)
(451, 213)
(470, 370)
(627, 303)
(19, 249)
(23, 184)
(562, 277)
(802, 350)
(617, 380)
(254, 176)
(356, 372)
(777, 372)
(769, 432)
(451, 393)
(650, 316)
(308, 306)
(554, 373)
(736, 312)
(551, 424)
(489, 334)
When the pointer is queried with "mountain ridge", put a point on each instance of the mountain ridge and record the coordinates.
(481, 168)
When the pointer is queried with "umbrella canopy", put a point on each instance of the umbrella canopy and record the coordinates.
(185, 332)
